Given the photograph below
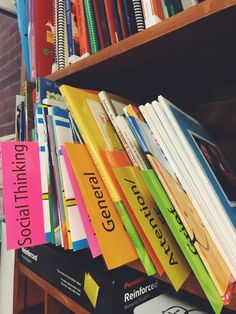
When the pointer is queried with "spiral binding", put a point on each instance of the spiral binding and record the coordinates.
(91, 26)
(60, 34)
(138, 13)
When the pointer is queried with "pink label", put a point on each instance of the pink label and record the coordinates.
(22, 194)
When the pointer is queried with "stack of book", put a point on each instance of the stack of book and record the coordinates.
(56, 33)
(127, 182)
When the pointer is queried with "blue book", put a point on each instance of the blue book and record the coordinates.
(69, 28)
(47, 92)
(23, 30)
(117, 20)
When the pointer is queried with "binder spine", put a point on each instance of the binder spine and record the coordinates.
(91, 26)
(138, 13)
(61, 20)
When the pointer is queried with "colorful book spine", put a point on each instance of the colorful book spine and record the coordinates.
(117, 20)
(138, 13)
(91, 26)
(122, 17)
(104, 22)
(99, 24)
(82, 30)
(129, 17)
(111, 21)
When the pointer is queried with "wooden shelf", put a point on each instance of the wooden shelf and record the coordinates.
(54, 301)
(195, 49)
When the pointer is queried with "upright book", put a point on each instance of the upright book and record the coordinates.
(209, 170)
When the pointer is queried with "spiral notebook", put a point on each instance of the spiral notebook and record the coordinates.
(60, 35)
(91, 26)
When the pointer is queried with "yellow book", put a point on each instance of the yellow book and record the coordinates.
(100, 138)
(115, 244)
(95, 127)
(153, 224)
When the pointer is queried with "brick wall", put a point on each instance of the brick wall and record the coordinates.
(10, 72)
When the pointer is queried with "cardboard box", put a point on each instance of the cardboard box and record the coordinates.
(88, 282)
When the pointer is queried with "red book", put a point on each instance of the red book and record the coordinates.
(82, 31)
(99, 23)
(41, 37)
(111, 21)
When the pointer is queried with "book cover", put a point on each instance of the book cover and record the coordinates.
(91, 26)
(47, 92)
(78, 103)
(115, 245)
(209, 171)
(86, 222)
(22, 194)
(153, 224)
(42, 37)
(184, 241)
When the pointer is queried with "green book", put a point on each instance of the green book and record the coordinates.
(91, 26)
(183, 239)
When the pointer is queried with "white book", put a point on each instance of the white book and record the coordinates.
(150, 18)
(131, 142)
(218, 226)
(114, 105)
(188, 3)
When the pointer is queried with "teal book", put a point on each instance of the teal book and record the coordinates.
(175, 224)
(91, 26)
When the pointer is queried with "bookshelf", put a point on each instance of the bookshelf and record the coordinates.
(190, 59)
